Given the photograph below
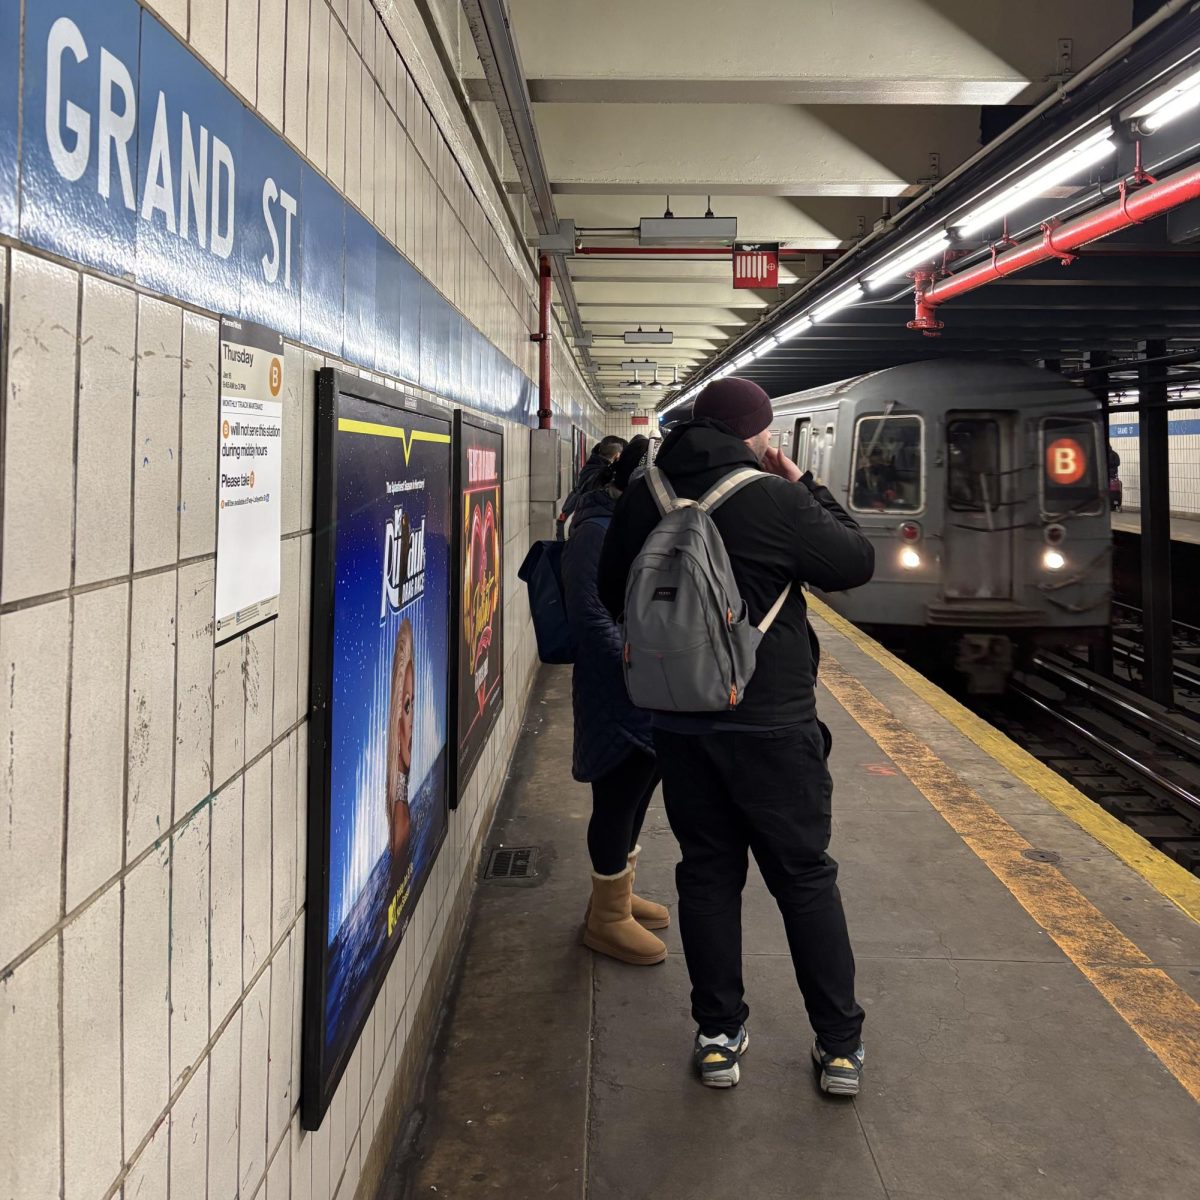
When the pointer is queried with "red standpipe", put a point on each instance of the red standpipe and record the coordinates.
(542, 337)
(1130, 208)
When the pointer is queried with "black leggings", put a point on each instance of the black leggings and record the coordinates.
(619, 803)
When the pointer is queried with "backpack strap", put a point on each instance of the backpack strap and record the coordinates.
(769, 619)
(716, 496)
(732, 483)
(663, 493)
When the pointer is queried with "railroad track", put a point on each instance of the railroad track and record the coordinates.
(1127, 652)
(1138, 761)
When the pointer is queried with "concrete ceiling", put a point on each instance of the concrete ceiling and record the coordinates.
(801, 118)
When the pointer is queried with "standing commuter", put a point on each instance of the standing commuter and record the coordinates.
(754, 778)
(614, 746)
(602, 457)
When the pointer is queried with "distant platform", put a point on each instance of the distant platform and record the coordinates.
(1183, 529)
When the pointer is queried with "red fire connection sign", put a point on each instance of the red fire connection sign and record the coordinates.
(639, 420)
(755, 264)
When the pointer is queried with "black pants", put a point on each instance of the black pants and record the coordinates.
(619, 803)
(727, 793)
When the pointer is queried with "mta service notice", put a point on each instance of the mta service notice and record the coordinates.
(249, 477)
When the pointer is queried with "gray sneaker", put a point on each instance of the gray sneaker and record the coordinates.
(717, 1057)
(841, 1074)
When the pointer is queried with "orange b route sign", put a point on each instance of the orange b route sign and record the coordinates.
(1066, 461)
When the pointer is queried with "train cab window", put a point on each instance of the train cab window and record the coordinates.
(973, 453)
(888, 468)
(1070, 466)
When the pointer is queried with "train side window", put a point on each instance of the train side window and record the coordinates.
(1070, 449)
(973, 450)
(802, 442)
(888, 465)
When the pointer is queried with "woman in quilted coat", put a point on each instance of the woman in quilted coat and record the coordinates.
(614, 747)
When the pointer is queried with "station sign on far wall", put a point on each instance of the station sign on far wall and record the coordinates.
(755, 264)
(479, 589)
(379, 740)
(249, 477)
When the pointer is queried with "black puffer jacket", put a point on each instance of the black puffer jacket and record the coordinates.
(774, 532)
(607, 726)
(589, 479)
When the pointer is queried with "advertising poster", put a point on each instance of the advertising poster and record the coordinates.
(249, 477)
(379, 738)
(479, 602)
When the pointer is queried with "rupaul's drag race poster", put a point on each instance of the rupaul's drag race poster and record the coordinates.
(480, 595)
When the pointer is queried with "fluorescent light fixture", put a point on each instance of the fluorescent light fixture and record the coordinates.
(904, 262)
(795, 328)
(1180, 98)
(1059, 169)
(763, 347)
(739, 363)
(836, 303)
(724, 371)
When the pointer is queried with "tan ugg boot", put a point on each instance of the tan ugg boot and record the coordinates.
(645, 912)
(611, 928)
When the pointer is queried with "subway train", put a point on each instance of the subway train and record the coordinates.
(984, 488)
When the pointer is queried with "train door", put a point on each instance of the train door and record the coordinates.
(822, 452)
(978, 562)
(801, 439)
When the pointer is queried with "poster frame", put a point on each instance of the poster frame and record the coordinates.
(319, 1078)
(460, 778)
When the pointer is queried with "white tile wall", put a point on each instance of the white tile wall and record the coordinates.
(92, 1047)
(151, 715)
(158, 955)
(207, 31)
(145, 986)
(34, 643)
(96, 782)
(1184, 449)
(156, 434)
(39, 488)
(105, 436)
(198, 463)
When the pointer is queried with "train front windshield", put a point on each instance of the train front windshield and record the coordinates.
(973, 451)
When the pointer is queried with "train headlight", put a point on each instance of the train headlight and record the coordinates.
(910, 560)
(1053, 560)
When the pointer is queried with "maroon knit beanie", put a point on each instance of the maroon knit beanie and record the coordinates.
(739, 404)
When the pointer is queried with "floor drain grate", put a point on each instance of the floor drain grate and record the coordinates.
(512, 862)
(1046, 856)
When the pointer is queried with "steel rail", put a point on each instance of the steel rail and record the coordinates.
(1146, 772)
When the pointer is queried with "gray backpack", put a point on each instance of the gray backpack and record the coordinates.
(689, 646)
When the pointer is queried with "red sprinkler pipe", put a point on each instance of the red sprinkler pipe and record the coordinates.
(711, 251)
(542, 337)
(1130, 208)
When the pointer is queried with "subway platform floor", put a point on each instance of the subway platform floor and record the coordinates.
(1029, 968)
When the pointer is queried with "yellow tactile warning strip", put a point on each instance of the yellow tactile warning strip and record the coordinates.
(1165, 876)
(1150, 1002)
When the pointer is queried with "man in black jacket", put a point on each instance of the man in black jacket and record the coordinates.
(592, 474)
(755, 778)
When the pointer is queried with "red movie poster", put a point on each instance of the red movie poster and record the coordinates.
(480, 594)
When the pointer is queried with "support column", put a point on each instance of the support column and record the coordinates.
(1154, 459)
(1100, 653)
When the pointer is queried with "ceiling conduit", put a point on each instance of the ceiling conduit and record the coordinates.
(1132, 207)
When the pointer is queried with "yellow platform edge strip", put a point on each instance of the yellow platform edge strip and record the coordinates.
(1166, 877)
(1144, 996)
